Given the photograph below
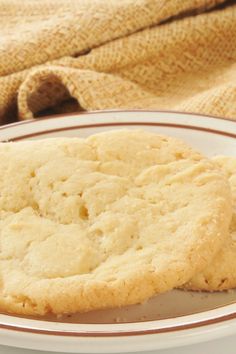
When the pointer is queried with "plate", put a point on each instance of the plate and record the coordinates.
(168, 320)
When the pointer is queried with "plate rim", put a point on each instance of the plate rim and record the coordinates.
(117, 333)
(64, 115)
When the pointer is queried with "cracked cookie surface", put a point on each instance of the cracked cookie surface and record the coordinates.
(106, 221)
(220, 274)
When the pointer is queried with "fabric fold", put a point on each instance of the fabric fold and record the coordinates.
(117, 55)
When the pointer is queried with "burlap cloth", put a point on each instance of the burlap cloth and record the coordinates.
(61, 55)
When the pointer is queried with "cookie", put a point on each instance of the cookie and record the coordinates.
(106, 221)
(220, 274)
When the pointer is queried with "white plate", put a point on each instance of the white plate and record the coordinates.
(168, 320)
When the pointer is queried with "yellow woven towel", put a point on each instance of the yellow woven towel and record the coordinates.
(162, 54)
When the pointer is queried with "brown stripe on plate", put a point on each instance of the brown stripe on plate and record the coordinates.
(6, 126)
(121, 333)
(170, 125)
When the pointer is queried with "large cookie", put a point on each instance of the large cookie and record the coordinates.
(106, 221)
(221, 273)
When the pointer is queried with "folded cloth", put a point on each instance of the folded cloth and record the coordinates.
(69, 55)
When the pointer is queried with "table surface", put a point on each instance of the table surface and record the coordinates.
(221, 346)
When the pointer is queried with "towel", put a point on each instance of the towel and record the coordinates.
(60, 56)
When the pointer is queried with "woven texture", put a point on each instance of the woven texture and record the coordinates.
(58, 56)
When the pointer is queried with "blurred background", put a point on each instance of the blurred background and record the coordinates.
(60, 56)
